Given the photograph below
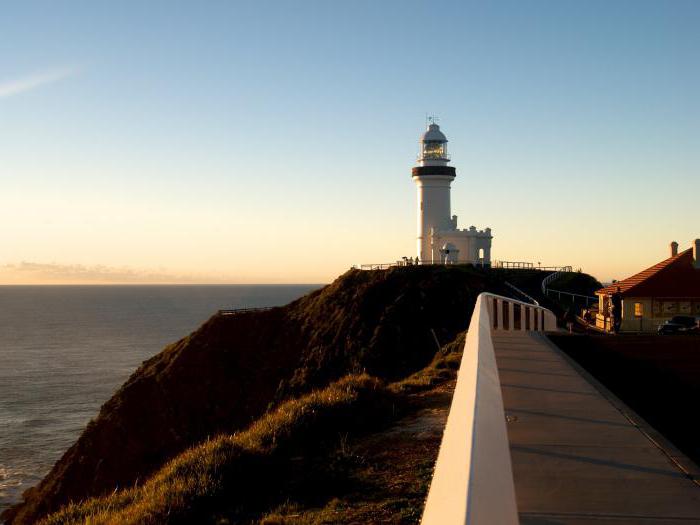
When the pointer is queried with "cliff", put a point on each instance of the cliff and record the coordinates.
(235, 369)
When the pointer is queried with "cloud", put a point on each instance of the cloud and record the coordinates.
(16, 86)
(43, 273)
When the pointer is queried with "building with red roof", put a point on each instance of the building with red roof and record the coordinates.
(652, 296)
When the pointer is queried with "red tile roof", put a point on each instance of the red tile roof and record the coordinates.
(673, 277)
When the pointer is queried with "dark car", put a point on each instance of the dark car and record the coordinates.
(680, 324)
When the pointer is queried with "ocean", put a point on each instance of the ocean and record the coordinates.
(64, 350)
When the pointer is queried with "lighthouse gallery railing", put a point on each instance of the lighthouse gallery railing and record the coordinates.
(473, 479)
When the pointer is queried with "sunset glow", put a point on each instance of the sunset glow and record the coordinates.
(247, 143)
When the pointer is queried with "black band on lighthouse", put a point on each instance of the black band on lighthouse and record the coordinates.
(421, 171)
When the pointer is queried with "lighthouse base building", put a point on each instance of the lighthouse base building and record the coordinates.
(439, 240)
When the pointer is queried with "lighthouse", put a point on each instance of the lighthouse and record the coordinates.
(439, 240)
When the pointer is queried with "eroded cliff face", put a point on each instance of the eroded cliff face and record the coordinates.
(197, 387)
(233, 368)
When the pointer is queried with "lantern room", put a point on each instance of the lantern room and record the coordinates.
(433, 146)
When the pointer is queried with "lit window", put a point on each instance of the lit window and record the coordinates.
(434, 150)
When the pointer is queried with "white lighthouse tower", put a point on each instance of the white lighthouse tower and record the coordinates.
(439, 240)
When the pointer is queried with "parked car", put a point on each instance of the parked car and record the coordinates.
(680, 324)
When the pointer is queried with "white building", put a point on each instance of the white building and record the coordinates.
(439, 239)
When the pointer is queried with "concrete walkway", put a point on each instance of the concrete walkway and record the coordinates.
(579, 455)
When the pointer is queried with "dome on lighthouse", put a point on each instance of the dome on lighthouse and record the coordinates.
(433, 134)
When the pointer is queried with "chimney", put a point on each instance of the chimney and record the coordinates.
(696, 253)
(674, 249)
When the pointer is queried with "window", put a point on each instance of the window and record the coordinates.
(434, 150)
(669, 307)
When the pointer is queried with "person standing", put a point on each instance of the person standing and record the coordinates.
(616, 301)
(569, 318)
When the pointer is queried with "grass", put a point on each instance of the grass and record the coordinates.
(192, 486)
(294, 514)
(248, 368)
(234, 369)
(302, 449)
(443, 367)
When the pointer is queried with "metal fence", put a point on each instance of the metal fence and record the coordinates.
(511, 265)
(409, 262)
(523, 265)
(572, 297)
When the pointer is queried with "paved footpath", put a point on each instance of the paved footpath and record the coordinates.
(581, 457)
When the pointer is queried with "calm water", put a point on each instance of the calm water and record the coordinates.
(65, 349)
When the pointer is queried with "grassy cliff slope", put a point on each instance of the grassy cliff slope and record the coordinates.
(235, 369)
(236, 475)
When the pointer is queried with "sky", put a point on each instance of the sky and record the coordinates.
(272, 142)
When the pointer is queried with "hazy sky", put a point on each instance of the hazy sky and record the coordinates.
(273, 141)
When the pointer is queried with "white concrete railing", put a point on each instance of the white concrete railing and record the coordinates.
(473, 479)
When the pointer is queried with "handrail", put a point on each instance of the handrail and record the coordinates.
(377, 266)
(524, 265)
(515, 264)
(518, 290)
(473, 479)
(551, 277)
(588, 298)
(476, 262)
(409, 262)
